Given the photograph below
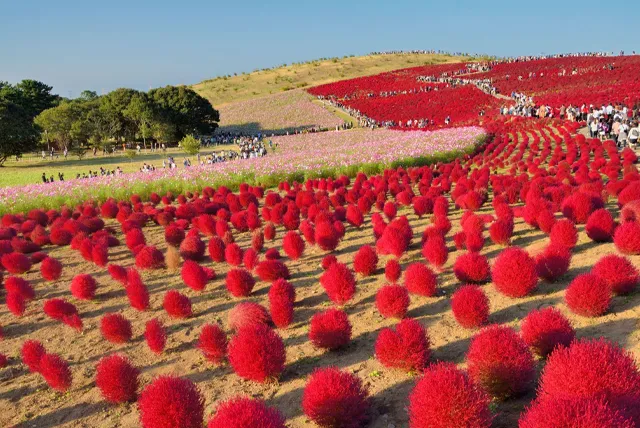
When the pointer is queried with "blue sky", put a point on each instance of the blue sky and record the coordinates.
(75, 45)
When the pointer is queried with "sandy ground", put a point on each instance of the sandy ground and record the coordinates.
(26, 400)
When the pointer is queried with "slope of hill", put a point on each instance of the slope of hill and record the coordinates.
(224, 90)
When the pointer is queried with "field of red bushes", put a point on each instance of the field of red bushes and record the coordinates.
(496, 290)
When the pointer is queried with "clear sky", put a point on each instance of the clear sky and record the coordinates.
(102, 45)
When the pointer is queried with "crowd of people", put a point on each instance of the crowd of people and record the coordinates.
(90, 174)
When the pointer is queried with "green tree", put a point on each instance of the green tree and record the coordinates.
(113, 106)
(18, 133)
(140, 112)
(190, 145)
(36, 97)
(163, 132)
(87, 95)
(58, 122)
(186, 110)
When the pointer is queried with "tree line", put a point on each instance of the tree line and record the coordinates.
(32, 117)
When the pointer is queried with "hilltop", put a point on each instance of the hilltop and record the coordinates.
(228, 89)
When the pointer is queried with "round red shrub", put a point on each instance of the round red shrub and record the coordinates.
(564, 233)
(339, 283)
(333, 398)
(545, 329)
(100, 255)
(326, 236)
(420, 280)
(247, 314)
(328, 260)
(271, 270)
(626, 238)
(16, 304)
(293, 245)
(239, 282)
(192, 248)
(573, 412)
(591, 369)
(445, 397)
(588, 295)
(117, 379)
(470, 306)
(281, 298)
(32, 352)
(115, 328)
(177, 305)
(155, 336)
(435, 251)
(250, 259)
(171, 401)
(406, 348)
(392, 271)
(118, 273)
(150, 258)
(257, 353)
(60, 237)
(365, 262)
(55, 372)
(246, 412)
(392, 301)
(600, 226)
(83, 287)
(553, 262)
(16, 263)
(216, 249)
(213, 343)
(330, 329)
(618, 272)
(137, 292)
(500, 362)
(514, 273)
(19, 286)
(233, 254)
(472, 268)
(193, 275)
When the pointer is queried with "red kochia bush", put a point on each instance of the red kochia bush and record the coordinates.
(171, 401)
(333, 398)
(16, 303)
(472, 268)
(61, 310)
(330, 329)
(246, 412)
(328, 260)
(514, 273)
(83, 287)
(192, 248)
(281, 298)
(293, 245)
(155, 336)
(176, 304)
(17, 285)
(392, 301)
(118, 273)
(626, 238)
(588, 295)
(553, 262)
(618, 272)
(270, 270)
(500, 362)
(115, 328)
(543, 330)
(257, 353)
(233, 254)
(470, 306)
(194, 275)
(574, 412)
(239, 282)
(137, 292)
(420, 280)
(50, 269)
(213, 343)
(591, 369)
(117, 379)
(564, 233)
(445, 397)
(600, 226)
(216, 249)
(339, 283)
(100, 255)
(435, 251)
(16, 263)
(406, 348)
(149, 257)
(326, 236)
(246, 314)
(392, 271)
(55, 372)
(32, 352)
(365, 262)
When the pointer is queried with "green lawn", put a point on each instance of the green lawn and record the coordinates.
(29, 169)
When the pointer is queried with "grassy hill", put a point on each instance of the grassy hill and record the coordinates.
(229, 89)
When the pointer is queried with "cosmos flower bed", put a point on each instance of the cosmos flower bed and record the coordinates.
(337, 301)
(278, 113)
(298, 157)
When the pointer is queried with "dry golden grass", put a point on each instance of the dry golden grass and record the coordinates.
(224, 90)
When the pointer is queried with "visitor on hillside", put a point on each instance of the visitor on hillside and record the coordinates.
(44, 178)
(634, 134)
